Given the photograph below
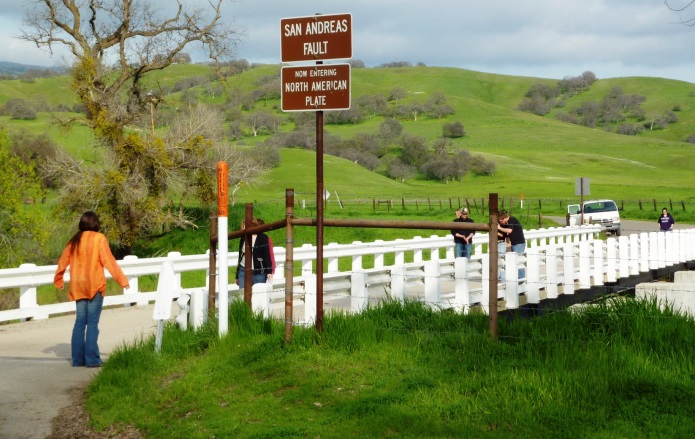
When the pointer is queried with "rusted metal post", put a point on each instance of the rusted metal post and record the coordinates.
(248, 255)
(319, 220)
(289, 264)
(493, 254)
(212, 267)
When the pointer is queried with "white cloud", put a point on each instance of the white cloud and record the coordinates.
(538, 37)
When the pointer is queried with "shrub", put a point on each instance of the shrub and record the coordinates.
(629, 129)
(453, 130)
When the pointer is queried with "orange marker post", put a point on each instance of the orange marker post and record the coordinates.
(222, 247)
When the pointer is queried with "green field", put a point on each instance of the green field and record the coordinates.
(539, 157)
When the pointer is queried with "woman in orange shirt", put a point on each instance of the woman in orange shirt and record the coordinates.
(87, 254)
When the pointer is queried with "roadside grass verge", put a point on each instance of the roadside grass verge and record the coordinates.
(618, 369)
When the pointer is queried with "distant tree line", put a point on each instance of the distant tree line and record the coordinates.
(248, 113)
(541, 98)
(616, 111)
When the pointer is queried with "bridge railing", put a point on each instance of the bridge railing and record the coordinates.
(431, 273)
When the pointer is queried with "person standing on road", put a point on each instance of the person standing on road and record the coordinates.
(666, 221)
(87, 254)
(514, 230)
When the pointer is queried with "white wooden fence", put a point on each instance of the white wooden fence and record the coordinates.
(557, 261)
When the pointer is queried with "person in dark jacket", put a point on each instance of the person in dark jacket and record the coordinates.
(514, 231)
(666, 221)
(262, 261)
(463, 239)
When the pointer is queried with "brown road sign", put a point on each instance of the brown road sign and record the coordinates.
(315, 38)
(313, 88)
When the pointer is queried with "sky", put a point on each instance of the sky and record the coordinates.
(537, 38)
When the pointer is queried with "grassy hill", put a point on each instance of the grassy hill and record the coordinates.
(536, 156)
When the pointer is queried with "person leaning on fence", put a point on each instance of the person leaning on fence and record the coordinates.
(463, 239)
(666, 221)
(262, 265)
(515, 231)
(87, 254)
(270, 245)
(502, 238)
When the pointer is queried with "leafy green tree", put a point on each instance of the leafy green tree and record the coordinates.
(414, 150)
(24, 232)
(399, 170)
(390, 129)
(437, 107)
(397, 94)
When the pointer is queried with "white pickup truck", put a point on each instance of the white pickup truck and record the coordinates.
(602, 212)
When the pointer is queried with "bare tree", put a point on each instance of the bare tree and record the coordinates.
(687, 22)
(115, 44)
(260, 121)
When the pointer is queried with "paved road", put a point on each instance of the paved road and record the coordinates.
(628, 227)
(37, 378)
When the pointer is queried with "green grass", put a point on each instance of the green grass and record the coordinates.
(615, 370)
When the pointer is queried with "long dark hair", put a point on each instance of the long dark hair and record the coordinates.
(89, 222)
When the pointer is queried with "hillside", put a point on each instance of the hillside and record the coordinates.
(535, 156)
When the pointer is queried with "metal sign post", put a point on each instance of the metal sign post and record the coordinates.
(317, 88)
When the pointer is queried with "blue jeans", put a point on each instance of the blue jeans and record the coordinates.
(458, 249)
(520, 249)
(463, 250)
(467, 250)
(501, 249)
(256, 278)
(85, 350)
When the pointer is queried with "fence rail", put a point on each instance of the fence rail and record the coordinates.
(425, 268)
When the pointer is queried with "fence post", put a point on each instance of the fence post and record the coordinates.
(310, 300)
(644, 251)
(432, 284)
(462, 300)
(359, 293)
(134, 289)
(417, 253)
(307, 265)
(511, 283)
(379, 257)
(398, 282)
(653, 250)
(434, 251)
(584, 264)
(624, 255)
(27, 295)
(568, 268)
(356, 259)
(399, 254)
(551, 272)
(260, 299)
(532, 275)
(661, 254)
(485, 260)
(634, 253)
(332, 260)
(598, 262)
(611, 257)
